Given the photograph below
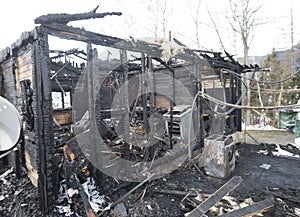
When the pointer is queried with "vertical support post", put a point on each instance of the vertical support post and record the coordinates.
(91, 103)
(172, 100)
(47, 183)
(144, 93)
(123, 59)
(233, 101)
(151, 79)
(199, 102)
(152, 90)
(90, 84)
(144, 97)
(238, 84)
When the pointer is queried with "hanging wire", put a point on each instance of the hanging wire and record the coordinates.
(236, 106)
(266, 82)
(275, 91)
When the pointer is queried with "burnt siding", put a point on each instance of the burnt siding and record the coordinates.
(15, 69)
(9, 80)
(24, 67)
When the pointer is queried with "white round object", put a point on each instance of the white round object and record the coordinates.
(10, 125)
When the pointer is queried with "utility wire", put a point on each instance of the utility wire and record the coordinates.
(266, 82)
(212, 99)
(268, 91)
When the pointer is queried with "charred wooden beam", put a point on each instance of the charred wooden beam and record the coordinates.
(71, 33)
(78, 34)
(215, 197)
(65, 18)
(255, 209)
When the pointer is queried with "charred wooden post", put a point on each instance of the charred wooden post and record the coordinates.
(47, 183)
(91, 91)
(152, 91)
(124, 65)
(144, 96)
(199, 118)
(172, 100)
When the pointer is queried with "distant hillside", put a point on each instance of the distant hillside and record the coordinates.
(259, 59)
(253, 59)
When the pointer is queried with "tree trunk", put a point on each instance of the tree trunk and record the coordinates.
(247, 117)
(279, 103)
(259, 95)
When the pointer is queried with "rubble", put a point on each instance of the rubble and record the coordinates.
(68, 199)
(174, 195)
(18, 197)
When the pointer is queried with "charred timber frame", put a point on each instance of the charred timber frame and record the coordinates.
(41, 81)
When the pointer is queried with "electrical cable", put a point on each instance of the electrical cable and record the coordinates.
(267, 82)
(239, 100)
(275, 91)
(206, 96)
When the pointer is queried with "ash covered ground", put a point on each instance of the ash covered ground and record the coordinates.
(265, 176)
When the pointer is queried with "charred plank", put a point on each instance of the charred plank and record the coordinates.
(215, 197)
(257, 208)
(65, 18)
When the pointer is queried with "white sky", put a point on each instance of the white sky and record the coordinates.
(17, 16)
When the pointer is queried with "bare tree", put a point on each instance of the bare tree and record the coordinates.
(164, 17)
(194, 6)
(214, 19)
(243, 20)
(160, 11)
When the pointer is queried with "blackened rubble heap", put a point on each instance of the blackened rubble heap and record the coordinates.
(18, 197)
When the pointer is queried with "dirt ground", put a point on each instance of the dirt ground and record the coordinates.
(279, 181)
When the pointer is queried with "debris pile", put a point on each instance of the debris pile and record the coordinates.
(18, 197)
(274, 188)
(69, 200)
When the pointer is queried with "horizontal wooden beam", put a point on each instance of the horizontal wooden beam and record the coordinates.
(215, 197)
(251, 210)
(71, 33)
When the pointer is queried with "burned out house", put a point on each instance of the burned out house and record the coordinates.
(129, 108)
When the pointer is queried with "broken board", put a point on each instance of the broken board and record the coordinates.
(251, 210)
(215, 197)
